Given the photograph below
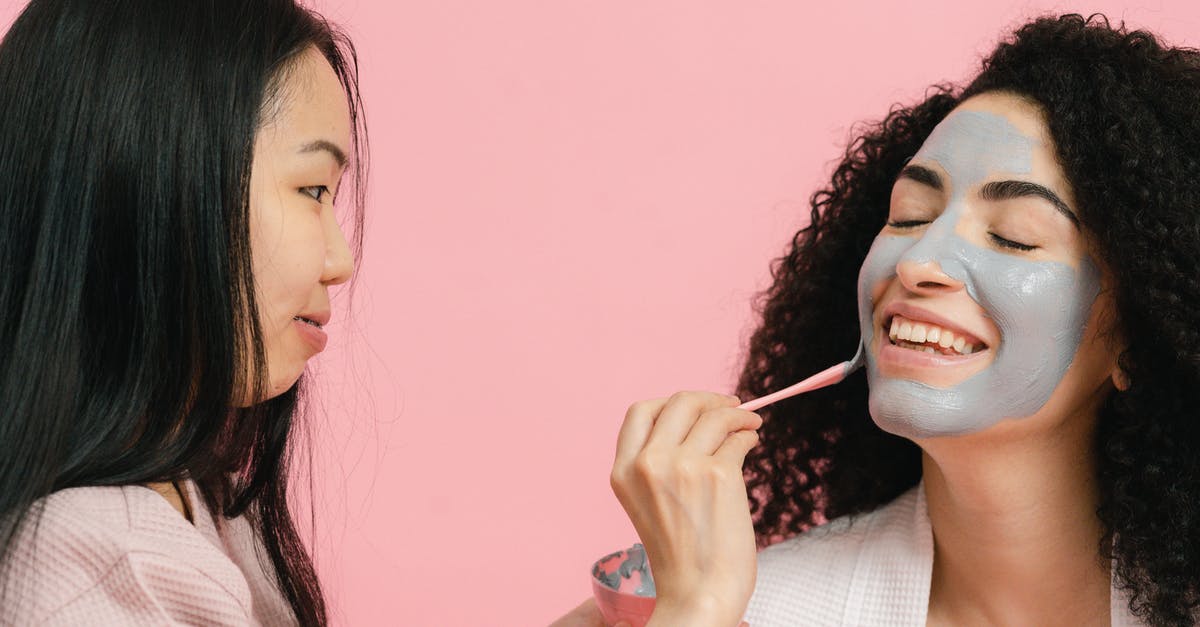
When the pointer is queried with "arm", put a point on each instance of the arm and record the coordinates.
(154, 589)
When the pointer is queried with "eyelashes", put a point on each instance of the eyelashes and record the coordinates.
(998, 240)
(320, 192)
(1007, 243)
(906, 224)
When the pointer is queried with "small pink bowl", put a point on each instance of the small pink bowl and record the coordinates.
(623, 603)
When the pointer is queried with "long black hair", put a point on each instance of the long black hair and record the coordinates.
(127, 309)
(1124, 112)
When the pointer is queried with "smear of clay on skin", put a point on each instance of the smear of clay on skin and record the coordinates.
(1040, 307)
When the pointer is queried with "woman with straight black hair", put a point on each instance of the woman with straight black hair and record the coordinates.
(168, 241)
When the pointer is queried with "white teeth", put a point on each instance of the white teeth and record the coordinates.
(908, 331)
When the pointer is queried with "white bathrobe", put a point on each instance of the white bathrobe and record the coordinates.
(875, 571)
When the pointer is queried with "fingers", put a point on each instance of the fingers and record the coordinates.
(680, 413)
(639, 421)
(714, 426)
(663, 441)
(700, 421)
(733, 450)
(586, 614)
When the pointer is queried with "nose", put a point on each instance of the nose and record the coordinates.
(926, 278)
(922, 268)
(339, 263)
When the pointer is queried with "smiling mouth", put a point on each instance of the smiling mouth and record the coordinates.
(930, 338)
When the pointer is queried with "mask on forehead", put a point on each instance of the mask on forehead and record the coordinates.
(1040, 307)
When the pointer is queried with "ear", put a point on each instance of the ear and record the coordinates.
(1120, 379)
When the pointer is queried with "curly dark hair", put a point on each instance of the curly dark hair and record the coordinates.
(1124, 112)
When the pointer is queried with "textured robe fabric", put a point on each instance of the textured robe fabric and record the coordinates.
(123, 555)
(872, 569)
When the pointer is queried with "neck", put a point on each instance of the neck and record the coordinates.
(1016, 536)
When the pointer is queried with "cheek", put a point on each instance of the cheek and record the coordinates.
(875, 278)
(288, 257)
(882, 288)
(879, 267)
(1099, 348)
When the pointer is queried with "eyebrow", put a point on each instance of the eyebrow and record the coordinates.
(327, 146)
(1004, 190)
(922, 174)
(996, 190)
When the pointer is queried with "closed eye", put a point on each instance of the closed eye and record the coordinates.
(1000, 241)
(316, 192)
(1007, 243)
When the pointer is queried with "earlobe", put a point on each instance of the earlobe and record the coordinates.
(1120, 379)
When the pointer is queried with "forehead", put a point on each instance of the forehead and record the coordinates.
(311, 103)
(970, 145)
(990, 135)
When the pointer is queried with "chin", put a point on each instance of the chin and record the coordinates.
(283, 385)
(281, 379)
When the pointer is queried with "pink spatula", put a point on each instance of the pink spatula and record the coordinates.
(824, 378)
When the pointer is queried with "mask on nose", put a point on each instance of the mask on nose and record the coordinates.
(1040, 307)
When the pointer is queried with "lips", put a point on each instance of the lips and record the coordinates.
(915, 342)
(311, 333)
(317, 319)
(309, 324)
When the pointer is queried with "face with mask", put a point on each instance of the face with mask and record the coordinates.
(980, 300)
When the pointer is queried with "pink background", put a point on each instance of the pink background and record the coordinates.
(572, 206)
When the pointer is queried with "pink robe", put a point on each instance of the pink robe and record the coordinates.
(125, 556)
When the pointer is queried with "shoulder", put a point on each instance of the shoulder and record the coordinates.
(816, 577)
(116, 553)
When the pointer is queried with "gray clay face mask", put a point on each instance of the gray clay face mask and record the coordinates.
(1040, 307)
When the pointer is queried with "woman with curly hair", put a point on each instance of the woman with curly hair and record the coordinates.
(1019, 260)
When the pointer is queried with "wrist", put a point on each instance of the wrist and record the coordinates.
(695, 611)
